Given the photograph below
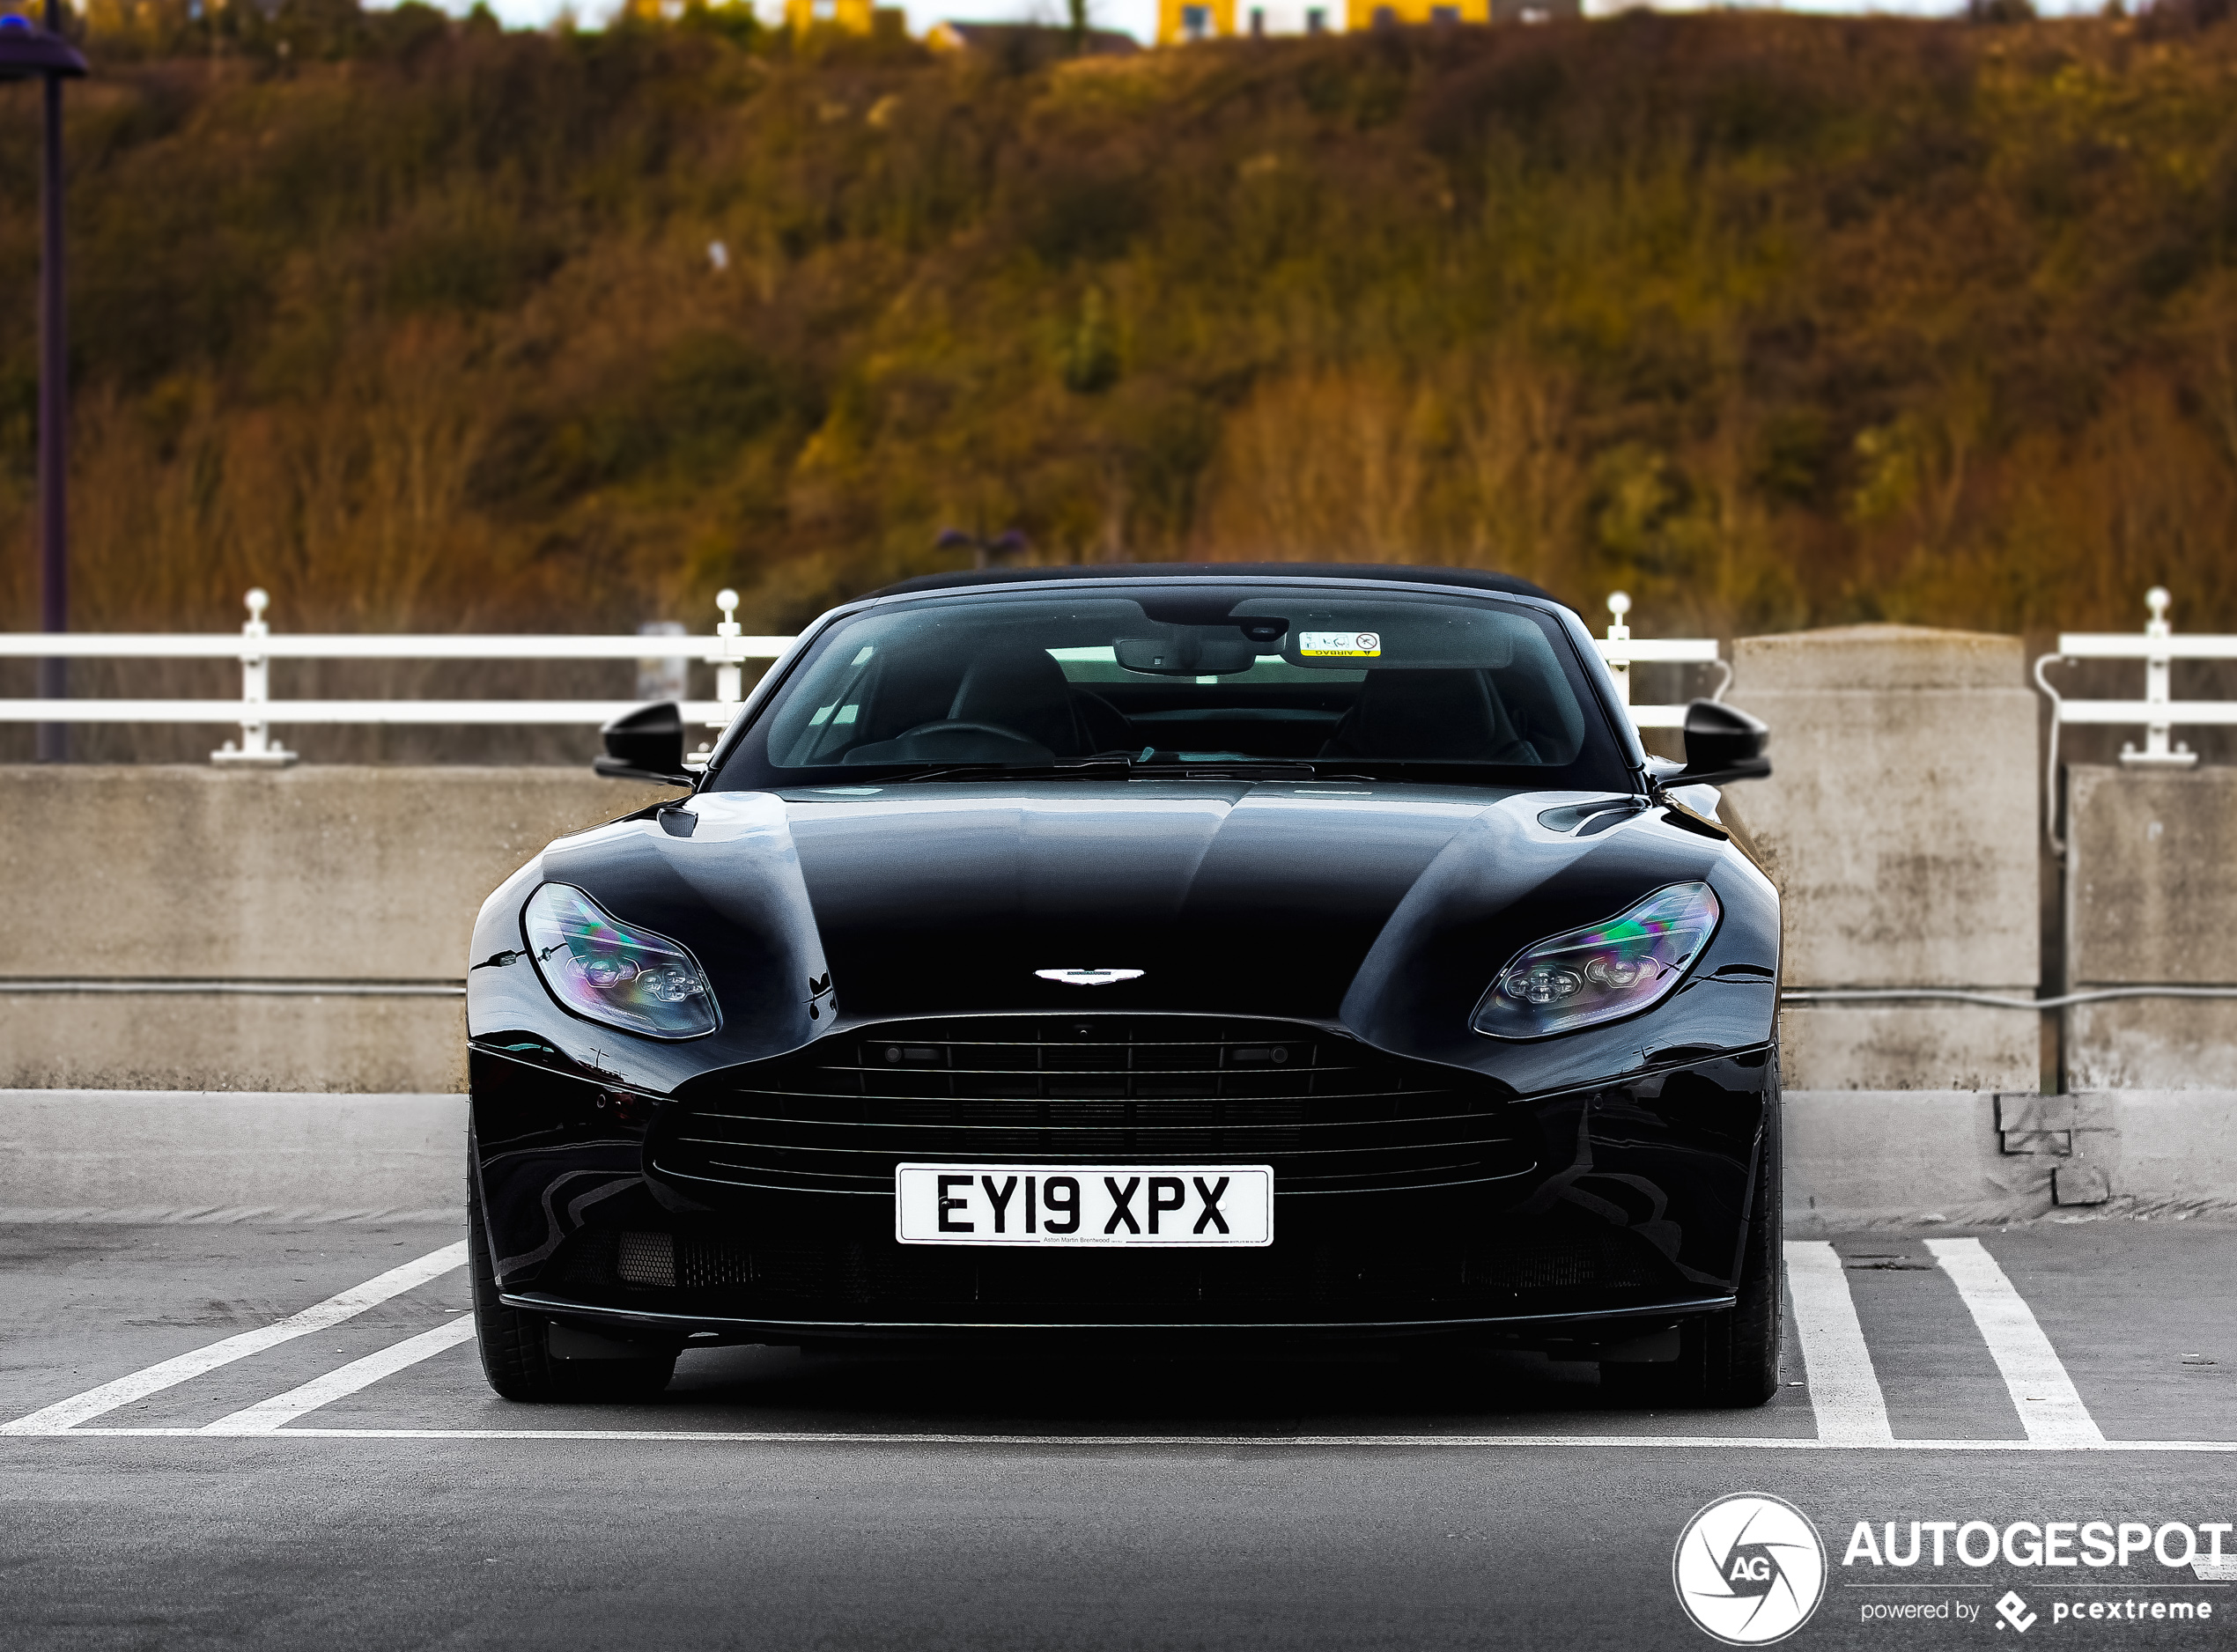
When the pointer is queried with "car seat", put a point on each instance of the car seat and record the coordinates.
(1449, 716)
(1018, 690)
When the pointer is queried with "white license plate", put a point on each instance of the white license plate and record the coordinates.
(1084, 1204)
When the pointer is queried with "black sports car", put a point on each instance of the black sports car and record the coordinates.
(1239, 951)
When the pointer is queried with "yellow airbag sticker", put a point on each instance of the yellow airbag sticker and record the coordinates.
(1339, 644)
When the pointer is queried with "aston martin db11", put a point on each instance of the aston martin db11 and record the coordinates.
(1234, 954)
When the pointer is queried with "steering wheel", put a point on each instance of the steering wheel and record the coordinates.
(1023, 749)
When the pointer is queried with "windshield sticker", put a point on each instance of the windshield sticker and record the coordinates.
(1339, 644)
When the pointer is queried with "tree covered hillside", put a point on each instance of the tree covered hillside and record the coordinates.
(1772, 320)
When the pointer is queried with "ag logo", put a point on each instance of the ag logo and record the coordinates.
(1749, 1570)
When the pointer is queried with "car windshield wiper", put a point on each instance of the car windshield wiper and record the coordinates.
(1150, 762)
(1170, 767)
(1114, 766)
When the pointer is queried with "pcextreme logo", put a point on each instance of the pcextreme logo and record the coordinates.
(2013, 1610)
(1749, 1569)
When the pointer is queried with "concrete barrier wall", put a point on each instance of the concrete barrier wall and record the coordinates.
(213, 1040)
(1923, 1158)
(169, 1155)
(195, 877)
(2151, 901)
(1900, 825)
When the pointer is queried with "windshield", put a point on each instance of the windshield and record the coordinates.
(1360, 680)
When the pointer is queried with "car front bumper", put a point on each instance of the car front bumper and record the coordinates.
(1596, 1216)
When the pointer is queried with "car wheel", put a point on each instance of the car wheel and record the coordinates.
(515, 1346)
(1732, 1359)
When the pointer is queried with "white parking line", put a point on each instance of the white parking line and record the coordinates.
(67, 1415)
(268, 1414)
(2051, 1408)
(1844, 1389)
(1850, 1410)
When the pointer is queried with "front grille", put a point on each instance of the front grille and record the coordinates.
(1327, 1113)
(1485, 1271)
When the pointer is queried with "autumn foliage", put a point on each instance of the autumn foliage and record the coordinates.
(1773, 321)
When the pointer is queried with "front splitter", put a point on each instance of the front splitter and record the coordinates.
(1556, 1327)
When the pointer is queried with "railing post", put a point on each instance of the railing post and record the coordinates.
(256, 750)
(1620, 605)
(2158, 751)
(730, 676)
(727, 657)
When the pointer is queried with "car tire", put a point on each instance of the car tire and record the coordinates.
(1729, 1359)
(514, 1344)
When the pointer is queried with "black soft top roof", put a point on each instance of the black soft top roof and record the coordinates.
(1472, 579)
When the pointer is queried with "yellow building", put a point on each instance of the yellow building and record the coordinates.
(1367, 14)
(1179, 20)
(855, 15)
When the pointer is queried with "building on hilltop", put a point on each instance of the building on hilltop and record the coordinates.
(1180, 20)
(856, 16)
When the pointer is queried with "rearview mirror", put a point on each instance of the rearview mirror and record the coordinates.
(646, 744)
(1722, 744)
(1185, 655)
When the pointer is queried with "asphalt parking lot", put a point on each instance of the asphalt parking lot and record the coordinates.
(227, 1434)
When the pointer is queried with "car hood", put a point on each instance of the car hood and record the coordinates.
(1247, 898)
(1384, 910)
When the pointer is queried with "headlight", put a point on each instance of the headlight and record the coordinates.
(606, 970)
(1633, 961)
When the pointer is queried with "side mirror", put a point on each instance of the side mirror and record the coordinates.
(646, 744)
(1722, 744)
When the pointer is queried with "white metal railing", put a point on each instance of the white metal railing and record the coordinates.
(2159, 712)
(727, 650)
(257, 712)
(1621, 650)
